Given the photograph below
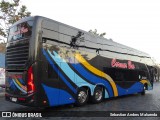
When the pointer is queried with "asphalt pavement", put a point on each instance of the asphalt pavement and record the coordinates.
(2, 92)
(136, 102)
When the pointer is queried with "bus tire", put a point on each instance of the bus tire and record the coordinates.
(144, 90)
(98, 95)
(82, 97)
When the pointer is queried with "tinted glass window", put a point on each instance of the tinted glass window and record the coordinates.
(20, 31)
(122, 74)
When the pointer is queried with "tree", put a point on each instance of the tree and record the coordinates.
(2, 47)
(10, 12)
(98, 34)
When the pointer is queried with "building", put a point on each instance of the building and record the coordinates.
(2, 60)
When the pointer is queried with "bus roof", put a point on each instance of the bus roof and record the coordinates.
(116, 44)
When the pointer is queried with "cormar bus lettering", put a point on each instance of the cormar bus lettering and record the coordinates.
(114, 63)
(15, 76)
(128, 65)
(22, 30)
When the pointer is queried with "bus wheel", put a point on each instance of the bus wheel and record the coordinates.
(82, 97)
(144, 90)
(98, 95)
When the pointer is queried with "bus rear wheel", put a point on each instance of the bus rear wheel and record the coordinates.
(82, 97)
(98, 95)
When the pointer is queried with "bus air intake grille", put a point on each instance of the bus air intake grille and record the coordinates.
(17, 56)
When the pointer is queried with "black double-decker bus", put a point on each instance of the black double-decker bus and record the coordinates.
(49, 63)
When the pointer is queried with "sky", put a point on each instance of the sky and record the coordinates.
(135, 23)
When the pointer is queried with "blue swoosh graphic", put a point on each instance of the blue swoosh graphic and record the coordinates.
(90, 77)
(69, 72)
(59, 73)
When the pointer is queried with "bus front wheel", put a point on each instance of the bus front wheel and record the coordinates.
(82, 97)
(144, 89)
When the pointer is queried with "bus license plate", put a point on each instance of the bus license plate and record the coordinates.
(14, 99)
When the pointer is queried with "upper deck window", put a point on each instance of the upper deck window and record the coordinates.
(20, 31)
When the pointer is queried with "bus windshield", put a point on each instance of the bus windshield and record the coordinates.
(20, 31)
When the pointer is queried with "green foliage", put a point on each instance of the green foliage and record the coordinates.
(98, 34)
(10, 12)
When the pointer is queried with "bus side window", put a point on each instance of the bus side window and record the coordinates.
(51, 73)
(119, 76)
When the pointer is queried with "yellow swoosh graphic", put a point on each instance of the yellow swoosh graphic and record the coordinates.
(97, 72)
(145, 81)
(23, 87)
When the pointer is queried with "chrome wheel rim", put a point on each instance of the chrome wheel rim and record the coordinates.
(98, 95)
(82, 96)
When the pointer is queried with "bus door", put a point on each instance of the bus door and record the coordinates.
(131, 78)
(48, 77)
(53, 83)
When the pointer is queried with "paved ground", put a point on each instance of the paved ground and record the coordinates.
(136, 102)
(2, 92)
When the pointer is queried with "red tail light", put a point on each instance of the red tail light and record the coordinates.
(30, 82)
